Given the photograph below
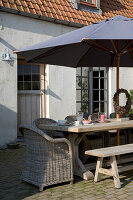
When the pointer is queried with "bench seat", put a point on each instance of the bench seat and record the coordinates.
(111, 152)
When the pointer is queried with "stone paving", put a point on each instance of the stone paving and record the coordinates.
(11, 187)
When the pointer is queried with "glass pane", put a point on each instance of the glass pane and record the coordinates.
(96, 95)
(78, 71)
(35, 85)
(35, 69)
(95, 73)
(95, 83)
(85, 96)
(85, 71)
(35, 77)
(84, 83)
(102, 73)
(102, 95)
(78, 95)
(20, 69)
(89, 1)
(27, 85)
(78, 107)
(27, 77)
(20, 85)
(85, 107)
(95, 107)
(102, 107)
(27, 69)
(102, 83)
(20, 77)
(78, 82)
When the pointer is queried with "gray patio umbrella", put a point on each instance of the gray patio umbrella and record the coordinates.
(105, 43)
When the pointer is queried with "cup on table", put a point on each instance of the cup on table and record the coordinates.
(76, 123)
(102, 118)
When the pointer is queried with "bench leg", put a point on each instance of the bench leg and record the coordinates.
(99, 165)
(115, 172)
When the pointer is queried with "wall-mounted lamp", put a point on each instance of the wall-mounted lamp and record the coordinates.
(6, 55)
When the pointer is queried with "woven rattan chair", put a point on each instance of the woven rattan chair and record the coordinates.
(48, 160)
(53, 134)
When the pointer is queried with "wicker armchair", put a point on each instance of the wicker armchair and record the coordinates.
(53, 134)
(48, 160)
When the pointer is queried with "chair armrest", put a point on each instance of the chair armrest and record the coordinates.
(47, 137)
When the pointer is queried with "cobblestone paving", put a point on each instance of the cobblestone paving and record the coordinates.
(11, 187)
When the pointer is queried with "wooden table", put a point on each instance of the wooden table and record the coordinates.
(76, 134)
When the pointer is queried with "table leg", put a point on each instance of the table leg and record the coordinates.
(79, 168)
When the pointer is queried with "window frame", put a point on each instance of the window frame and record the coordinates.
(21, 61)
(91, 89)
(93, 4)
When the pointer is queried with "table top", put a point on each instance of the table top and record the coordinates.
(111, 125)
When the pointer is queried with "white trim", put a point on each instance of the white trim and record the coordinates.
(47, 90)
(93, 2)
(110, 89)
(31, 92)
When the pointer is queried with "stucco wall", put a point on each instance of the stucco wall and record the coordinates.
(62, 94)
(17, 32)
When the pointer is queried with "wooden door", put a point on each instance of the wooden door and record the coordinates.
(31, 97)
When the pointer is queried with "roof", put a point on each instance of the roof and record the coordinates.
(62, 10)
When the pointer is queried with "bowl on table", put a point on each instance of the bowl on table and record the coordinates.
(85, 122)
(62, 122)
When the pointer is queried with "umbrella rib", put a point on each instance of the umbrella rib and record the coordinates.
(126, 46)
(86, 54)
(97, 45)
(47, 53)
(113, 44)
(128, 50)
(131, 54)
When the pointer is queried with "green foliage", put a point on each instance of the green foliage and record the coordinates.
(84, 98)
(131, 95)
(131, 110)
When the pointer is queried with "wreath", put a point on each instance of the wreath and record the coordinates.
(122, 109)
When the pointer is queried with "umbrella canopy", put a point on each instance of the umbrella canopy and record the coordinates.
(100, 44)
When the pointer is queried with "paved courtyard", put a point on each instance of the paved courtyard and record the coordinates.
(11, 187)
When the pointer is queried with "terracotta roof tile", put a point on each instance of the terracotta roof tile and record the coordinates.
(63, 10)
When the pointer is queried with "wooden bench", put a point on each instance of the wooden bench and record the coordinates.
(111, 152)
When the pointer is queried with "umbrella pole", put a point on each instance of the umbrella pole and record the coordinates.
(117, 87)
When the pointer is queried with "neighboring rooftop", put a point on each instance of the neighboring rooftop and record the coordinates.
(63, 10)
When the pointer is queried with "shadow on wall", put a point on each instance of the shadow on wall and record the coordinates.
(8, 125)
(107, 6)
(48, 91)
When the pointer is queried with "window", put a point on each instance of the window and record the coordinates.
(28, 77)
(82, 89)
(89, 2)
(92, 90)
(100, 90)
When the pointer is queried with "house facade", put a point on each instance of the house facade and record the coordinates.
(29, 91)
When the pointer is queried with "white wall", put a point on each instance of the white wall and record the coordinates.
(17, 32)
(126, 82)
(62, 92)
